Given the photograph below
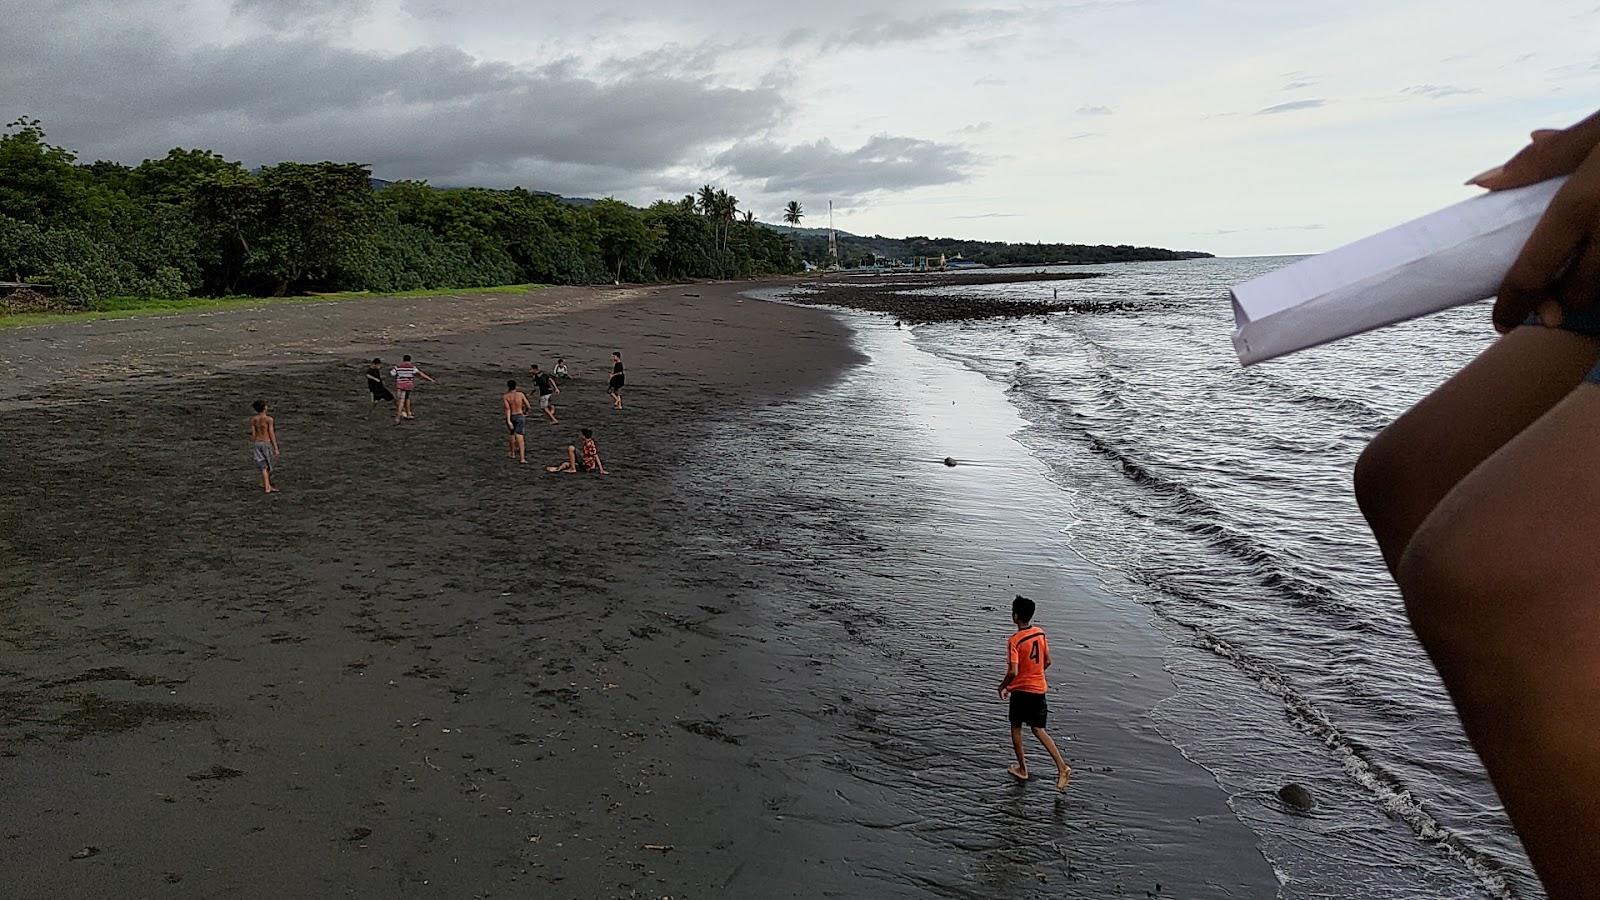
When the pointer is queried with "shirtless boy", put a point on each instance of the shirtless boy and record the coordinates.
(264, 444)
(514, 404)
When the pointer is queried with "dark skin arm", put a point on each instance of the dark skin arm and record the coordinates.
(1005, 683)
(1559, 267)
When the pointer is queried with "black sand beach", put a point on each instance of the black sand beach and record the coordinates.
(736, 666)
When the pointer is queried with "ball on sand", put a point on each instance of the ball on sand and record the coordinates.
(949, 461)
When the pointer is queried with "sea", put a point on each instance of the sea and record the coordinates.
(1217, 500)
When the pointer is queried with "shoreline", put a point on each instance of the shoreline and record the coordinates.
(411, 675)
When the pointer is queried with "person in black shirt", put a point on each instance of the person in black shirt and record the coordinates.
(547, 390)
(614, 386)
(380, 393)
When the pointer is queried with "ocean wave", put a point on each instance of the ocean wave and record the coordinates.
(1391, 794)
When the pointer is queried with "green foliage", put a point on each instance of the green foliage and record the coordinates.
(193, 223)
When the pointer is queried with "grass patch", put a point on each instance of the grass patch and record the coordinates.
(132, 307)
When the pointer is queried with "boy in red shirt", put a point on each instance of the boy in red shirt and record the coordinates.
(1027, 656)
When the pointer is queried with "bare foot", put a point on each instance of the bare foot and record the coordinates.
(1064, 779)
(1018, 772)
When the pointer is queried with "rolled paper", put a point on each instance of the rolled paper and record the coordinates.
(1449, 258)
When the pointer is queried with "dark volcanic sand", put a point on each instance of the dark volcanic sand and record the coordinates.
(421, 664)
(898, 295)
(424, 670)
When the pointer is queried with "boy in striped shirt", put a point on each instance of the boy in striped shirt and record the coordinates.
(405, 381)
(1027, 656)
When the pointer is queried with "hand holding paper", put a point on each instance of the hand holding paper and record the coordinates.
(1455, 256)
(1502, 243)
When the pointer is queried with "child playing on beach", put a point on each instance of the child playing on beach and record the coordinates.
(590, 455)
(264, 444)
(405, 381)
(1027, 656)
(514, 404)
(375, 385)
(547, 391)
(614, 386)
(561, 368)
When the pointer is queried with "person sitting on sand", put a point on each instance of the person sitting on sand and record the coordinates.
(570, 464)
(614, 386)
(514, 404)
(590, 454)
(375, 385)
(264, 444)
(547, 391)
(1027, 656)
(405, 381)
(560, 370)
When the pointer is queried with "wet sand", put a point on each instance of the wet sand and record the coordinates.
(424, 670)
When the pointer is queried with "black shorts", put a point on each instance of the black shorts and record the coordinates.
(1028, 709)
(379, 392)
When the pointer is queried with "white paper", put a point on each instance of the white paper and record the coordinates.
(1449, 258)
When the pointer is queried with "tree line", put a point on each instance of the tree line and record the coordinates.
(857, 250)
(194, 223)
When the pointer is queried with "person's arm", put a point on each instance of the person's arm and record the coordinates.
(272, 435)
(505, 406)
(1559, 267)
(1011, 670)
(597, 463)
(1047, 656)
(426, 377)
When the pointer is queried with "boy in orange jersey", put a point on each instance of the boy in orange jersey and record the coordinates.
(1027, 656)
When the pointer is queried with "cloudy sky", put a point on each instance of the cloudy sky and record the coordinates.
(1233, 126)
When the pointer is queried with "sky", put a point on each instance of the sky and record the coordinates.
(1232, 126)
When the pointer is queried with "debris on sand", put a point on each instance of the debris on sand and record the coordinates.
(1297, 797)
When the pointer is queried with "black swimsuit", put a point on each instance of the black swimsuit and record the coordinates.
(616, 377)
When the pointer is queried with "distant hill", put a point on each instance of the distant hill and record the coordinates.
(855, 249)
(379, 184)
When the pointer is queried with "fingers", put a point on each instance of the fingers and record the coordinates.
(1553, 152)
(1566, 227)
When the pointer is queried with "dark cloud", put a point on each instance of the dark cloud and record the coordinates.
(433, 113)
(1096, 111)
(1291, 106)
(884, 163)
(1439, 91)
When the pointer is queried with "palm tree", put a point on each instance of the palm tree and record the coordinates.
(707, 201)
(687, 204)
(793, 213)
(749, 218)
